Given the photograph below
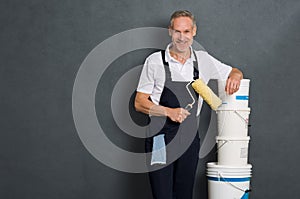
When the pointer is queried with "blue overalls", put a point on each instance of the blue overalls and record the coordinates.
(176, 180)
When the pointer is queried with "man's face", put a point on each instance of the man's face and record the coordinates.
(182, 33)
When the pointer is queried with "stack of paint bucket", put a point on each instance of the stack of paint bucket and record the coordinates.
(230, 176)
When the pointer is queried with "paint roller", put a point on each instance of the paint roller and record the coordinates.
(207, 94)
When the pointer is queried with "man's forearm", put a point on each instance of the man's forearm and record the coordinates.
(144, 105)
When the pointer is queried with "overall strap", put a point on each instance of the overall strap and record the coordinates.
(163, 52)
(196, 68)
(166, 65)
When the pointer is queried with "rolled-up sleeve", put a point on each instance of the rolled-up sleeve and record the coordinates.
(219, 69)
(146, 82)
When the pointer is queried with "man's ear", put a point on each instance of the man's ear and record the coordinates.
(170, 31)
(194, 30)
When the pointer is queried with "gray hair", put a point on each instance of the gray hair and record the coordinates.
(182, 13)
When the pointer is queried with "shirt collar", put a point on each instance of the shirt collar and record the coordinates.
(168, 57)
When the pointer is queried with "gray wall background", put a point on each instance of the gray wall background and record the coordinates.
(43, 44)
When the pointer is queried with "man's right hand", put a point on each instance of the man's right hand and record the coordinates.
(177, 114)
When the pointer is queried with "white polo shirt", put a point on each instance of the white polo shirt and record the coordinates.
(152, 78)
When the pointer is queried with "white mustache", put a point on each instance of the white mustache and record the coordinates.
(181, 41)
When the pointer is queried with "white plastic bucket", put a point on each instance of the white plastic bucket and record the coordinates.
(233, 123)
(233, 150)
(228, 182)
(241, 171)
(236, 101)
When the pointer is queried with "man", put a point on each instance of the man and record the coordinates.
(162, 92)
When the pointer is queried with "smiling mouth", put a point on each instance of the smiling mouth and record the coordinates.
(181, 42)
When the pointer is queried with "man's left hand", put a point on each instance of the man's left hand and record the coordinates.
(233, 81)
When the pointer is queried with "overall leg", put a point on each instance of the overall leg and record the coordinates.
(161, 180)
(185, 170)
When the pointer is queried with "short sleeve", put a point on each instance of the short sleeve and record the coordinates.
(219, 70)
(146, 81)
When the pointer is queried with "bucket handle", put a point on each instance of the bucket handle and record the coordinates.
(245, 120)
(225, 142)
(222, 145)
(234, 186)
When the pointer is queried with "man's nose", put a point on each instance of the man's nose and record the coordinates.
(181, 37)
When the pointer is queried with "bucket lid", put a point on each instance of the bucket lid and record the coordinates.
(242, 81)
(216, 165)
(221, 138)
(245, 82)
(232, 109)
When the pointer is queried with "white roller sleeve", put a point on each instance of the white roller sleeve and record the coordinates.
(207, 94)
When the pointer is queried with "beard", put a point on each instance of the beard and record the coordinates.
(182, 45)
